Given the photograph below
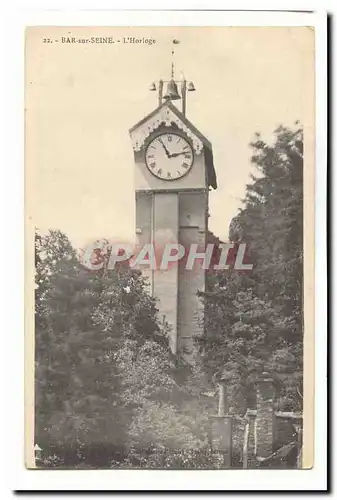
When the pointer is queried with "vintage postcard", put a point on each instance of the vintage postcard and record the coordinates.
(169, 247)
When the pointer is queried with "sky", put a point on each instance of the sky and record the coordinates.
(82, 99)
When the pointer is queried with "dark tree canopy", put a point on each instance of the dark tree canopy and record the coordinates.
(105, 376)
(254, 319)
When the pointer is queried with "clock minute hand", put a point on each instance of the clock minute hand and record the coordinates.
(165, 148)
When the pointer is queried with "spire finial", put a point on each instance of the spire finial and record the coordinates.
(174, 42)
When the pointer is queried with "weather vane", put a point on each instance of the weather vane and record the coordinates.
(172, 92)
(174, 42)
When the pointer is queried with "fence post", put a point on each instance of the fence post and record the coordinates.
(265, 418)
(37, 455)
(222, 425)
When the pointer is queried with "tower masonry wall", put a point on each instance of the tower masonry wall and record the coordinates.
(176, 218)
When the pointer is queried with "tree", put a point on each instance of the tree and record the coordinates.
(105, 376)
(82, 318)
(254, 320)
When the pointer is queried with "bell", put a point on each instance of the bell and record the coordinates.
(152, 87)
(172, 91)
(190, 87)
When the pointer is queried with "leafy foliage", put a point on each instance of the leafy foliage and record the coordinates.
(104, 371)
(254, 320)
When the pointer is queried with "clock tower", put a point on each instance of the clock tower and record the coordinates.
(173, 175)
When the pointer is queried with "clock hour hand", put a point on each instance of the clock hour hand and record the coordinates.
(165, 148)
(173, 155)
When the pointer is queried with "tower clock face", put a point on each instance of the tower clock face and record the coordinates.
(169, 156)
